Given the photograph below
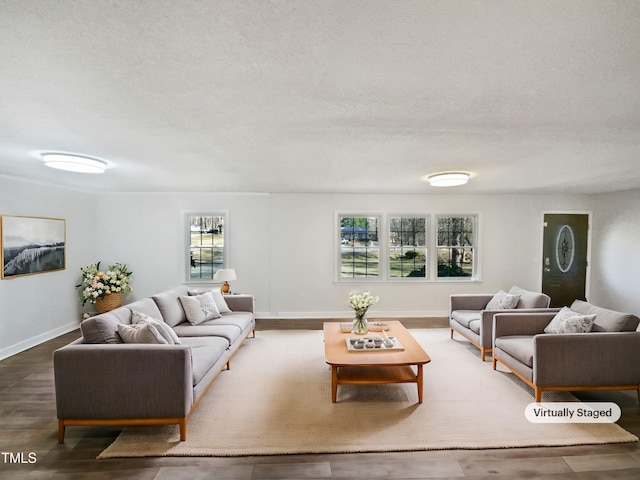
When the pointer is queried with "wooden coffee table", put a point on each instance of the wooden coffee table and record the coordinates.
(373, 367)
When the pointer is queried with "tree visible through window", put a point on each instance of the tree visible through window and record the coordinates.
(206, 245)
(407, 247)
(359, 247)
(455, 246)
(411, 248)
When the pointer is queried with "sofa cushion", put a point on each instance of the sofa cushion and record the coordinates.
(529, 299)
(241, 319)
(474, 325)
(503, 301)
(146, 306)
(200, 308)
(140, 333)
(170, 307)
(464, 317)
(103, 328)
(519, 347)
(568, 321)
(165, 330)
(209, 329)
(606, 320)
(205, 353)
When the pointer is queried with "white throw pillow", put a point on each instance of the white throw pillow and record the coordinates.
(140, 333)
(200, 308)
(165, 330)
(221, 303)
(218, 297)
(503, 301)
(568, 321)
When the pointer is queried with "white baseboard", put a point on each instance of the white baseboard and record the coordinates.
(37, 340)
(349, 315)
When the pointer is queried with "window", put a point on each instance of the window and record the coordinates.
(359, 246)
(407, 247)
(206, 234)
(455, 246)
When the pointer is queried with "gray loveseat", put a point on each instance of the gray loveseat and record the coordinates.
(99, 380)
(470, 317)
(606, 358)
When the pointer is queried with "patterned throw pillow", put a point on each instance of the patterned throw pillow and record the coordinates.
(221, 303)
(568, 321)
(140, 333)
(200, 308)
(503, 301)
(165, 330)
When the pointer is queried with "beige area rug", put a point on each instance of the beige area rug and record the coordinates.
(276, 399)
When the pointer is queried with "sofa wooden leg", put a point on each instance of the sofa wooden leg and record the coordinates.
(538, 393)
(495, 361)
(183, 429)
(60, 431)
(451, 333)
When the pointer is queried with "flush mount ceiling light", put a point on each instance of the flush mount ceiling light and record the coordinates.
(448, 179)
(72, 162)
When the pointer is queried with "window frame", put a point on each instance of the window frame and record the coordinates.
(427, 246)
(384, 248)
(187, 248)
(475, 248)
(338, 236)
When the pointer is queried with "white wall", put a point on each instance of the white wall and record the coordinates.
(616, 257)
(303, 239)
(147, 232)
(36, 308)
(282, 245)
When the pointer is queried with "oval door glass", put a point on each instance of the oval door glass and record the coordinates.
(565, 248)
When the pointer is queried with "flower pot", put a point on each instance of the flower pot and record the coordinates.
(109, 302)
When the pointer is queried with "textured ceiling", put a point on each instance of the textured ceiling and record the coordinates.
(324, 96)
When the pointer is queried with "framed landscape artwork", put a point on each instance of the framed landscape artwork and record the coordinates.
(32, 245)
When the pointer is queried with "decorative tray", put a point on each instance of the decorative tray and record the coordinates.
(378, 326)
(372, 344)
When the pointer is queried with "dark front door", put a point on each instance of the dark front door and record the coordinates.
(564, 260)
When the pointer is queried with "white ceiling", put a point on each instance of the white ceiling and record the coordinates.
(532, 96)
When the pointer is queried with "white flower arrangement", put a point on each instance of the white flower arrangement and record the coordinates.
(97, 284)
(360, 302)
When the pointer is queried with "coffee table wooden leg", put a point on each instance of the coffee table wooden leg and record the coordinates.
(419, 381)
(334, 383)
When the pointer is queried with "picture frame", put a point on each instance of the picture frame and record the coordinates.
(32, 245)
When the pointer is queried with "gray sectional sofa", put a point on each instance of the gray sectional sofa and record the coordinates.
(592, 348)
(101, 380)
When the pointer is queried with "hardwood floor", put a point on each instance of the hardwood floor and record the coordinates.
(30, 449)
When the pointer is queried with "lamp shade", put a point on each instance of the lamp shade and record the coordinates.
(225, 275)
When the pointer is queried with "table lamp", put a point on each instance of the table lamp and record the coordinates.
(225, 275)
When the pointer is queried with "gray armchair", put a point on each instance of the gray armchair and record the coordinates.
(607, 358)
(469, 316)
